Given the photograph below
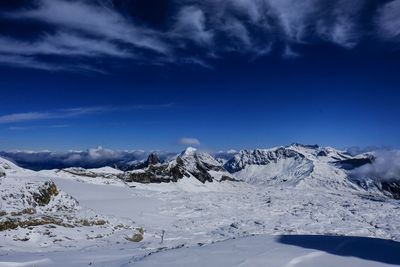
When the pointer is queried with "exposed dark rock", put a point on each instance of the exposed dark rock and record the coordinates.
(306, 146)
(46, 192)
(189, 163)
(87, 223)
(80, 172)
(228, 178)
(135, 238)
(154, 174)
(322, 153)
(153, 159)
(350, 164)
(391, 188)
(13, 223)
(202, 175)
(87, 173)
(24, 211)
(388, 188)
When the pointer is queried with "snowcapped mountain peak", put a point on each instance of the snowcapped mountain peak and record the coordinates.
(189, 151)
(7, 166)
(259, 157)
(316, 152)
(305, 146)
(190, 164)
(270, 166)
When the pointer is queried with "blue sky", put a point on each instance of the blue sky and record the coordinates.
(123, 75)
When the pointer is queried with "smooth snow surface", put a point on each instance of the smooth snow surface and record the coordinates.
(283, 251)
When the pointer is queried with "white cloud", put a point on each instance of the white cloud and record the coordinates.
(252, 9)
(33, 63)
(342, 26)
(29, 116)
(91, 158)
(89, 31)
(191, 24)
(189, 141)
(101, 153)
(385, 167)
(62, 44)
(236, 30)
(289, 53)
(294, 17)
(388, 21)
(74, 112)
(290, 21)
(83, 29)
(95, 20)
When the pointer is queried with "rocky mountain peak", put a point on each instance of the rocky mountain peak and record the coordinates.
(153, 159)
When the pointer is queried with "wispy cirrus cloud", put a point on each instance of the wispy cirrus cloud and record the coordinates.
(74, 112)
(388, 21)
(191, 25)
(95, 20)
(84, 35)
(47, 115)
(256, 24)
(34, 63)
(65, 44)
(26, 128)
(83, 30)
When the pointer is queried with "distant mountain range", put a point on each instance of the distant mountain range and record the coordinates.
(92, 158)
(295, 165)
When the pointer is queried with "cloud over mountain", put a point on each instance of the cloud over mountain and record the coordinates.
(385, 167)
(91, 158)
(189, 141)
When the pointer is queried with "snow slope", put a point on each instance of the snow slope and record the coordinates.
(295, 165)
(283, 251)
(271, 251)
(177, 217)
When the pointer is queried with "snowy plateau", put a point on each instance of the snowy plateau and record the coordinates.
(297, 205)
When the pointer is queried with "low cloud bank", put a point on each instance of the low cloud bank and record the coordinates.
(385, 167)
(91, 158)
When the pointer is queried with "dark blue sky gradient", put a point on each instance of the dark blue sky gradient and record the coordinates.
(329, 95)
(335, 98)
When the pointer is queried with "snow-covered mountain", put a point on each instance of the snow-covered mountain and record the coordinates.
(190, 164)
(294, 165)
(309, 166)
(109, 217)
(269, 166)
(376, 172)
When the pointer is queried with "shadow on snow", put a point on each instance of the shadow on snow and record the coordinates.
(372, 249)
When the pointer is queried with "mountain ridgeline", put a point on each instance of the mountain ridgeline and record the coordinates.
(295, 165)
